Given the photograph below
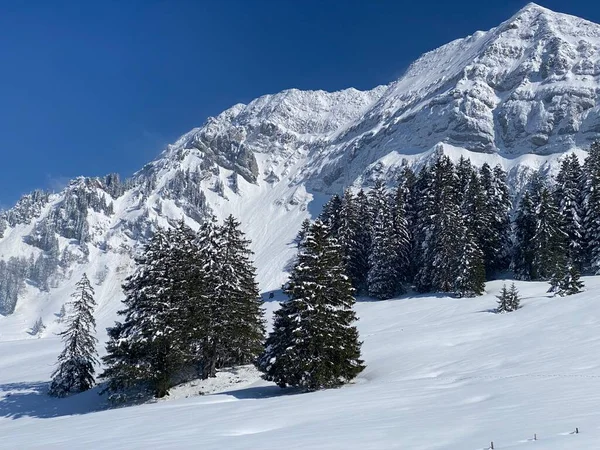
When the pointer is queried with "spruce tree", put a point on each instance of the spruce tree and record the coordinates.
(441, 223)
(509, 299)
(407, 190)
(356, 239)
(514, 298)
(209, 307)
(568, 197)
(313, 344)
(549, 241)
(470, 280)
(495, 234)
(591, 208)
(524, 231)
(147, 349)
(331, 214)
(501, 205)
(570, 283)
(383, 281)
(75, 371)
(504, 303)
(401, 236)
(244, 330)
(302, 233)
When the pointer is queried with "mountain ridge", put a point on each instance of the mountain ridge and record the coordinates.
(520, 95)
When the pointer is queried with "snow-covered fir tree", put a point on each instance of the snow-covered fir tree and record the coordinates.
(568, 197)
(303, 231)
(244, 330)
(524, 231)
(75, 371)
(570, 283)
(330, 215)
(401, 235)
(209, 307)
(549, 240)
(500, 207)
(591, 207)
(382, 279)
(314, 344)
(470, 279)
(147, 349)
(407, 189)
(442, 223)
(355, 237)
(509, 299)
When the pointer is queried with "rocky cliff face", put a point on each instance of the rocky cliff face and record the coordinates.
(520, 95)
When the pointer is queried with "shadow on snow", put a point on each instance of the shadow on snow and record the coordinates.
(31, 399)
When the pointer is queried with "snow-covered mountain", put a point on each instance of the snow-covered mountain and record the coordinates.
(521, 95)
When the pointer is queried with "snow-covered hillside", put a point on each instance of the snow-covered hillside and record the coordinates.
(442, 373)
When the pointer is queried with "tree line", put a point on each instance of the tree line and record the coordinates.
(192, 306)
(450, 227)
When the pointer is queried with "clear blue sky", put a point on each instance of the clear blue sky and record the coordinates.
(89, 88)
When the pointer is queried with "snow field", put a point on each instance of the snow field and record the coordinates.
(442, 373)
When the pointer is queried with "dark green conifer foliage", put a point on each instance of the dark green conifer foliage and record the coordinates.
(383, 281)
(470, 280)
(244, 329)
(570, 283)
(330, 215)
(525, 226)
(549, 241)
(441, 224)
(314, 344)
(591, 208)
(75, 371)
(568, 197)
(146, 348)
(509, 299)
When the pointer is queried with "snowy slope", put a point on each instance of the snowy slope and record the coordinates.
(442, 373)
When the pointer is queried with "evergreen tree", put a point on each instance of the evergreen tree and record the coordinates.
(75, 371)
(570, 283)
(495, 235)
(591, 208)
(382, 278)
(509, 299)
(401, 235)
(525, 226)
(504, 304)
(549, 241)
(464, 175)
(314, 344)
(147, 349)
(514, 299)
(568, 197)
(500, 207)
(355, 235)
(331, 214)
(407, 190)
(303, 231)
(244, 328)
(209, 308)
(470, 280)
(442, 223)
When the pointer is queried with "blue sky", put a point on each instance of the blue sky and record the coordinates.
(89, 88)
